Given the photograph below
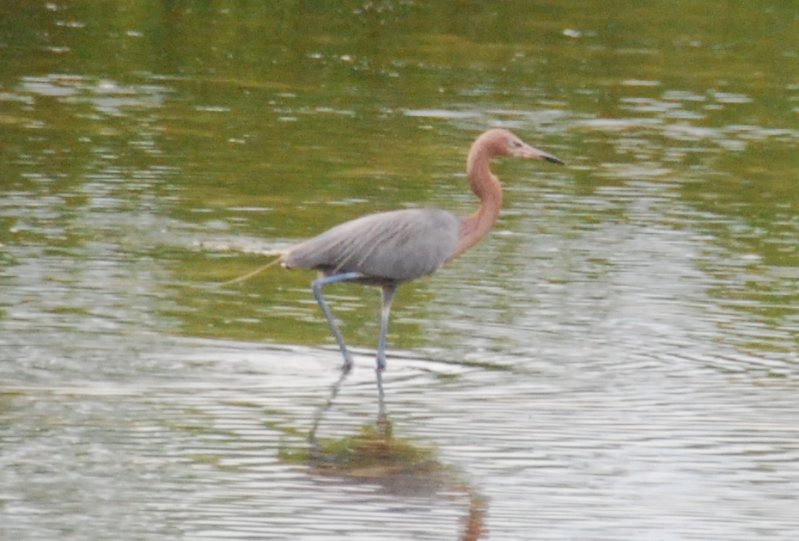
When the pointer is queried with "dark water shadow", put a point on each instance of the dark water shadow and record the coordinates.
(397, 466)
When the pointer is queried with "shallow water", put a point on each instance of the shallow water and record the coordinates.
(618, 360)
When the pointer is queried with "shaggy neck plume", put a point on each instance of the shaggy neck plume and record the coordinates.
(485, 186)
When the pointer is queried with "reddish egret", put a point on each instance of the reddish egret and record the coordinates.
(389, 248)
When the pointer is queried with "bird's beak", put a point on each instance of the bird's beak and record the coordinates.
(532, 153)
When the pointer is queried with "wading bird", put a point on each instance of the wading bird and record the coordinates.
(387, 249)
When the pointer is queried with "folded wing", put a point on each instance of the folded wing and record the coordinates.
(399, 245)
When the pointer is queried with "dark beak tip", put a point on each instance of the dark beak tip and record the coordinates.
(553, 159)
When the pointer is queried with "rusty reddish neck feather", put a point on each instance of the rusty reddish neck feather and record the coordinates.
(485, 186)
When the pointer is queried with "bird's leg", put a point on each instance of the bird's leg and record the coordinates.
(385, 311)
(317, 292)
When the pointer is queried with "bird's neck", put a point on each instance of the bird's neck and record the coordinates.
(488, 188)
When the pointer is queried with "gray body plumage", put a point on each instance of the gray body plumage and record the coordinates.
(387, 247)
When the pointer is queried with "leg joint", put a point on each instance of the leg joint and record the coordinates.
(319, 283)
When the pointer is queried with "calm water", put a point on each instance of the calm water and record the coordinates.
(619, 360)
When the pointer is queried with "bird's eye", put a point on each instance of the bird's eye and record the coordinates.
(517, 144)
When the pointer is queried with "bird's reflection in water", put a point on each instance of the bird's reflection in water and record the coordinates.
(398, 466)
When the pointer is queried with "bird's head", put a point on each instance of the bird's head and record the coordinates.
(501, 142)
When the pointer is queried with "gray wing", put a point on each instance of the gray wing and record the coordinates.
(398, 245)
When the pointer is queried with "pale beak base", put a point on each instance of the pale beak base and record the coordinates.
(534, 154)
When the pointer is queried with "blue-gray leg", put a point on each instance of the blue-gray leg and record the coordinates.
(317, 291)
(385, 312)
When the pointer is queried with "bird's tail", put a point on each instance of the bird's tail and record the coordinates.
(249, 275)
